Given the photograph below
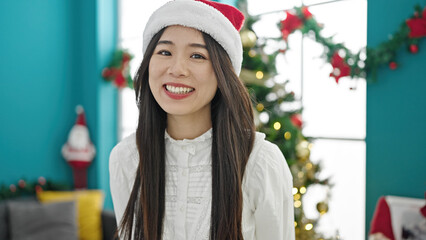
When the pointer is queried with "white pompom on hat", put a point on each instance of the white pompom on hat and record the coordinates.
(221, 21)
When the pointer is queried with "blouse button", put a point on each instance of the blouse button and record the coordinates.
(182, 209)
(184, 173)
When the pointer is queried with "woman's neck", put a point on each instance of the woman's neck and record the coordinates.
(188, 127)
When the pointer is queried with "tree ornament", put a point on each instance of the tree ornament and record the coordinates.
(79, 151)
(302, 150)
(260, 107)
(296, 120)
(393, 65)
(414, 48)
(322, 207)
(287, 135)
(248, 38)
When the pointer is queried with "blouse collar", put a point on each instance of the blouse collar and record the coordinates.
(204, 137)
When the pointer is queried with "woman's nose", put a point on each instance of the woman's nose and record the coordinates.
(178, 67)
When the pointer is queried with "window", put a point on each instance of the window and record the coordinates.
(133, 15)
(333, 115)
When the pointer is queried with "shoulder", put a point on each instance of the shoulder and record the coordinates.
(266, 160)
(125, 152)
(265, 154)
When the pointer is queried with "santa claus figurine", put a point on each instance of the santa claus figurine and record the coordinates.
(79, 150)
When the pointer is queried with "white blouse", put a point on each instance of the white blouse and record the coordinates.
(267, 188)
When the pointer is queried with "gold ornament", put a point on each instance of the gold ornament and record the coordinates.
(322, 207)
(248, 38)
(302, 150)
(287, 135)
(260, 107)
(310, 170)
(259, 75)
(252, 53)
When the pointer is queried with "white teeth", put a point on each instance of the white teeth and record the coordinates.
(178, 90)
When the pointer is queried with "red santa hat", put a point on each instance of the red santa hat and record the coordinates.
(81, 116)
(222, 22)
(395, 215)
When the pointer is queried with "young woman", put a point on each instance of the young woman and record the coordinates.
(196, 168)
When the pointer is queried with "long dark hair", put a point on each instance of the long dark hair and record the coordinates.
(233, 137)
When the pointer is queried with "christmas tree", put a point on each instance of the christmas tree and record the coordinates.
(277, 117)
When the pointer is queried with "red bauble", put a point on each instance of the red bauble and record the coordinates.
(414, 48)
(296, 119)
(393, 65)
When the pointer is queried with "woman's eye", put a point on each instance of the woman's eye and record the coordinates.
(164, 53)
(197, 56)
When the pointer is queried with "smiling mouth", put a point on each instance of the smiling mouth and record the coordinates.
(178, 90)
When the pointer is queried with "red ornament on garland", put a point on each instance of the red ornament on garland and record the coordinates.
(417, 26)
(340, 67)
(118, 70)
(12, 188)
(22, 183)
(306, 13)
(393, 65)
(290, 24)
(414, 48)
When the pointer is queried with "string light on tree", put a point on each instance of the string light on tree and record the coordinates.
(322, 207)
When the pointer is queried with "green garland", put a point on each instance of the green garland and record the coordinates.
(366, 62)
(118, 70)
(25, 188)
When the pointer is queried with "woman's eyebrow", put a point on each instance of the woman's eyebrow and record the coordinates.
(198, 45)
(165, 42)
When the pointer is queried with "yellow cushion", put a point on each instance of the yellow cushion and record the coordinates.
(89, 205)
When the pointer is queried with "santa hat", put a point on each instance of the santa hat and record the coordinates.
(81, 117)
(392, 214)
(222, 22)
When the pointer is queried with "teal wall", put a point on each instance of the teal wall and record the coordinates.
(396, 112)
(52, 53)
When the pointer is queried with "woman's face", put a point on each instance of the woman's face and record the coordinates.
(181, 75)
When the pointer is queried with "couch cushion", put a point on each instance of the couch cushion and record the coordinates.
(4, 224)
(89, 208)
(4, 214)
(35, 221)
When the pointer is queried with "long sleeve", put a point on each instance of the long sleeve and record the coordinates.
(122, 167)
(270, 194)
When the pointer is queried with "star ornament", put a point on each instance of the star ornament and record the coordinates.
(417, 26)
